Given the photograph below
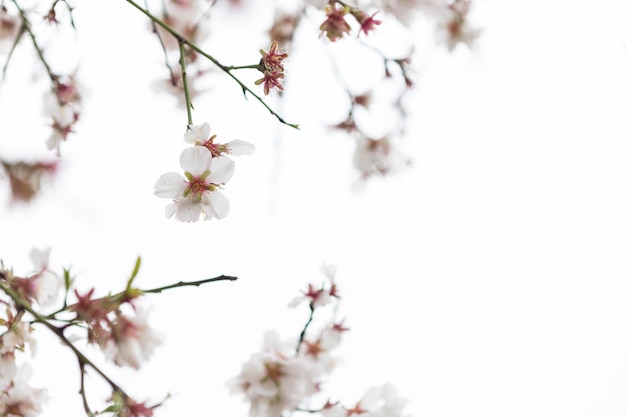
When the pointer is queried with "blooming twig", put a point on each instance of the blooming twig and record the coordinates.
(225, 68)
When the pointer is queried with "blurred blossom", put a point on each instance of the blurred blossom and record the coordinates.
(376, 402)
(377, 157)
(130, 340)
(26, 178)
(274, 380)
(9, 27)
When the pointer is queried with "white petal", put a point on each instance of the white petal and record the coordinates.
(170, 210)
(222, 170)
(188, 210)
(197, 133)
(195, 160)
(216, 205)
(40, 258)
(170, 185)
(239, 147)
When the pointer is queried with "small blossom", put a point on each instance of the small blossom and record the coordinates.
(377, 157)
(198, 192)
(271, 65)
(335, 24)
(16, 336)
(200, 135)
(317, 296)
(275, 380)
(271, 81)
(455, 28)
(273, 59)
(19, 399)
(131, 340)
(284, 27)
(368, 23)
(376, 402)
(26, 178)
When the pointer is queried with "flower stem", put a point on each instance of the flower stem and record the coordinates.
(306, 326)
(183, 70)
(27, 28)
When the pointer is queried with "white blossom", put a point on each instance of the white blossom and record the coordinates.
(275, 380)
(131, 341)
(200, 135)
(47, 283)
(18, 399)
(198, 192)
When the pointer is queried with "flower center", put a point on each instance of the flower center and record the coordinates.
(197, 186)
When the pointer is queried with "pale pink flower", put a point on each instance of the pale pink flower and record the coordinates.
(376, 402)
(26, 178)
(198, 191)
(18, 399)
(317, 296)
(16, 337)
(200, 135)
(453, 27)
(47, 283)
(275, 380)
(130, 341)
(377, 157)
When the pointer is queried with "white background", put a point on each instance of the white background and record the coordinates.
(485, 280)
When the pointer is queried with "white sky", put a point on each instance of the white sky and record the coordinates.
(486, 280)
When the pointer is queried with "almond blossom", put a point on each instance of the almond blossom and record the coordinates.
(198, 191)
(130, 340)
(43, 286)
(317, 296)
(18, 399)
(275, 380)
(376, 402)
(200, 135)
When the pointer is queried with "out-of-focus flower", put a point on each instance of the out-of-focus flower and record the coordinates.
(275, 380)
(43, 286)
(48, 283)
(25, 178)
(9, 28)
(376, 402)
(317, 296)
(284, 26)
(335, 24)
(455, 29)
(377, 157)
(130, 340)
(16, 336)
(63, 105)
(18, 399)
(198, 191)
(200, 135)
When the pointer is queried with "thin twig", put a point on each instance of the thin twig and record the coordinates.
(306, 326)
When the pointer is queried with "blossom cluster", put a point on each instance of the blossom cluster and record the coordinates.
(63, 105)
(288, 375)
(207, 168)
(125, 339)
